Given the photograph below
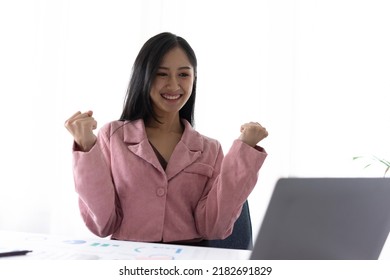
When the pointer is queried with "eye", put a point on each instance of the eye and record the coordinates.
(184, 75)
(161, 74)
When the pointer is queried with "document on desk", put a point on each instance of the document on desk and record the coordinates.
(46, 247)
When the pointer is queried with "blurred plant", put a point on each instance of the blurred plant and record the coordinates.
(374, 159)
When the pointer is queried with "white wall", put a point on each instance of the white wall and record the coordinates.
(315, 73)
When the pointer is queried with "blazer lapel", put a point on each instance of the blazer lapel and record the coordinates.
(138, 143)
(187, 151)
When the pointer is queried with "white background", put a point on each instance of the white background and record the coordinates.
(315, 73)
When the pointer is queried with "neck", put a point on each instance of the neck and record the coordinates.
(166, 124)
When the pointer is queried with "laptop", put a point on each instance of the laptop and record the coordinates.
(325, 219)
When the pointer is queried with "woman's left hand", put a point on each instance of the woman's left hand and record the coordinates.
(252, 133)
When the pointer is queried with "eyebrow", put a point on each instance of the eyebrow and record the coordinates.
(180, 68)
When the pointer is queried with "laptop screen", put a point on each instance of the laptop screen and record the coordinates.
(325, 218)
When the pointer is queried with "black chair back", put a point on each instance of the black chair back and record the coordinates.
(241, 237)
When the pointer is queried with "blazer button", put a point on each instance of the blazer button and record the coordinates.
(160, 192)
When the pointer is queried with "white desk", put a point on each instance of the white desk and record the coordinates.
(47, 247)
(62, 248)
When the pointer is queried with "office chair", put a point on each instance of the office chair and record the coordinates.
(241, 237)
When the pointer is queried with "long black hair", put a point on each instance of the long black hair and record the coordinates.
(137, 103)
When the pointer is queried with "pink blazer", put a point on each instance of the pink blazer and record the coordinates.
(124, 192)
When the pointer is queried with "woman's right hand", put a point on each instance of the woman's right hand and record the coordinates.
(81, 125)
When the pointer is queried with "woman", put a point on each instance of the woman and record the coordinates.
(150, 176)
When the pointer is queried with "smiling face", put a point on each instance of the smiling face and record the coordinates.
(172, 86)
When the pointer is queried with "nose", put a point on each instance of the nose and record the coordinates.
(173, 83)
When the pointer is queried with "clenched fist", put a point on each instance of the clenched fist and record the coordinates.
(81, 125)
(252, 133)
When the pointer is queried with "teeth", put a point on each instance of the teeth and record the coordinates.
(171, 97)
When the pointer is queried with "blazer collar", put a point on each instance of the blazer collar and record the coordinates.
(186, 151)
(134, 132)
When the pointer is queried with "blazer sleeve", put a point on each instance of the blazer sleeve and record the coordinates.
(233, 179)
(98, 200)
